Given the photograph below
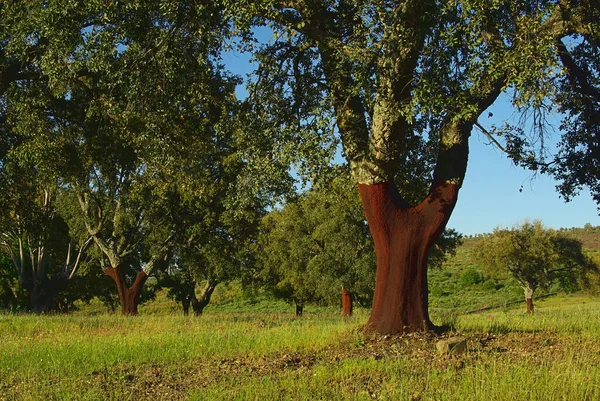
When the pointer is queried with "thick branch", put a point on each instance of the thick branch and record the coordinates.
(161, 255)
(402, 45)
(576, 75)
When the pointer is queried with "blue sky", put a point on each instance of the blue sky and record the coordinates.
(490, 195)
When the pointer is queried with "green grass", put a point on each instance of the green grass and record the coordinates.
(552, 355)
(253, 348)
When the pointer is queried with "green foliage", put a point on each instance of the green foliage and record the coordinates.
(471, 277)
(129, 108)
(535, 256)
(318, 244)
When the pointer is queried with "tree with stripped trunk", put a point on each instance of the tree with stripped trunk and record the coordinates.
(536, 257)
(404, 83)
(114, 101)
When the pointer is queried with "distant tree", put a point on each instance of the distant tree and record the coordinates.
(536, 256)
(34, 235)
(317, 244)
(217, 250)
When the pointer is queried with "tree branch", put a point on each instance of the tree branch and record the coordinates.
(575, 74)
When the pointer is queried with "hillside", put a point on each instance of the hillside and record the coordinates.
(588, 235)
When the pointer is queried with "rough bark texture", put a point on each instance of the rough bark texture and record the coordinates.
(346, 303)
(128, 296)
(402, 235)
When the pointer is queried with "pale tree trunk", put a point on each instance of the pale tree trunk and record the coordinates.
(199, 304)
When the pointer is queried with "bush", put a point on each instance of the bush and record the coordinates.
(470, 277)
(491, 284)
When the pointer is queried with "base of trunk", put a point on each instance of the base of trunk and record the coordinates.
(402, 237)
(346, 303)
(529, 304)
(128, 296)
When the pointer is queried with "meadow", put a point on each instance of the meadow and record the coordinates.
(254, 348)
(224, 355)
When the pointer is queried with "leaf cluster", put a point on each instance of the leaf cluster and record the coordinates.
(534, 255)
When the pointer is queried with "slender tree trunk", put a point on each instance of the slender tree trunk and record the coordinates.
(207, 291)
(403, 235)
(128, 296)
(529, 299)
(346, 303)
(186, 305)
(299, 310)
(36, 296)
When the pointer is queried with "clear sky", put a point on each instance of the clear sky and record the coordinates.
(490, 195)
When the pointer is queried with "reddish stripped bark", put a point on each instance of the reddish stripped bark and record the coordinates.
(128, 296)
(402, 235)
(346, 303)
(529, 303)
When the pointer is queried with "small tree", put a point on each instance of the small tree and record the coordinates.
(536, 256)
(317, 245)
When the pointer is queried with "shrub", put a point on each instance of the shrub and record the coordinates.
(471, 277)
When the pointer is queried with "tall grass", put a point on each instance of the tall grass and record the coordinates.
(552, 355)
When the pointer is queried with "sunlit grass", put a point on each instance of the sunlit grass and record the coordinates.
(552, 355)
(575, 316)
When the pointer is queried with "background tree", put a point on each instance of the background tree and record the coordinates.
(537, 257)
(214, 243)
(317, 244)
(35, 236)
(405, 83)
(119, 97)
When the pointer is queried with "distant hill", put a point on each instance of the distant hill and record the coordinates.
(589, 236)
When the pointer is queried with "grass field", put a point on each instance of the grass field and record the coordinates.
(552, 355)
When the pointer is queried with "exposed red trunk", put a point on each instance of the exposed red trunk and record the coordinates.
(529, 303)
(346, 303)
(403, 235)
(128, 296)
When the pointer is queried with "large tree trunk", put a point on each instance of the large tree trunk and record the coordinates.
(403, 235)
(299, 310)
(207, 291)
(128, 296)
